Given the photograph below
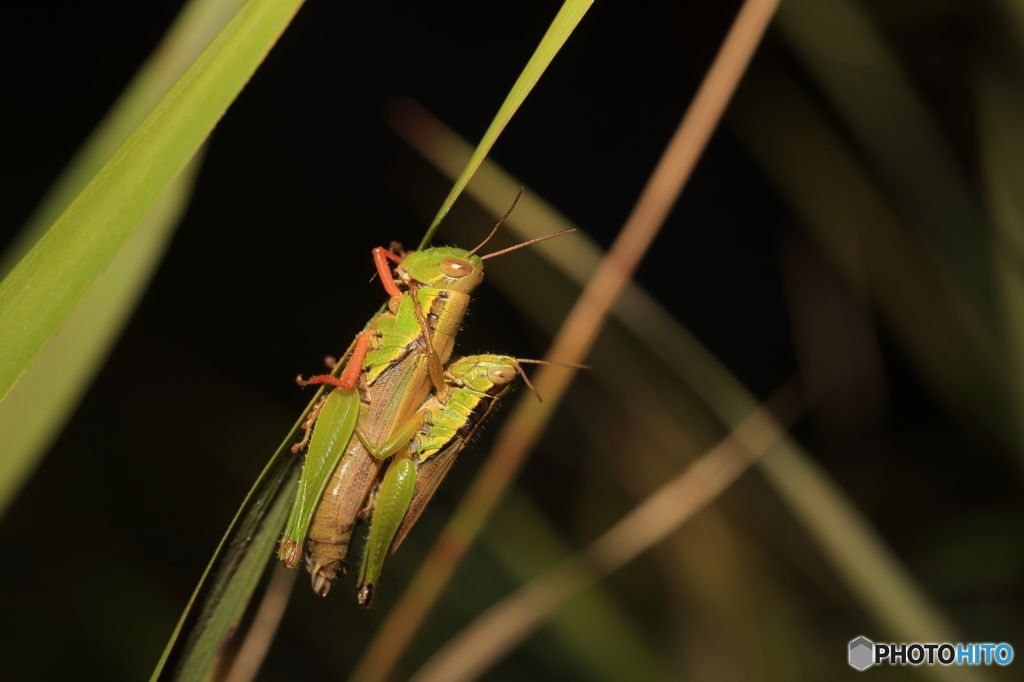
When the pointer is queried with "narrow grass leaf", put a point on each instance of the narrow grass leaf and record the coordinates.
(220, 600)
(34, 412)
(847, 213)
(593, 628)
(561, 28)
(1000, 108)
(195, 26)
(40, 293)
(853, 65)
(37, 408)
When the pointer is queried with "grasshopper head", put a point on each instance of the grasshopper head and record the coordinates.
(442, 268)
(484, 373)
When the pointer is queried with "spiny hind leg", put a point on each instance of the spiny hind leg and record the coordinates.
(307, 425)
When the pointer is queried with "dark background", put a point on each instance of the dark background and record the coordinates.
(270, 270)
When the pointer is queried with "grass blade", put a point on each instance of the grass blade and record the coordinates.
(193, 29)
(848, 215)
(195, 649)
(49, 282)
(36, 410)
(843, 49)
(595, 628)
(565, 22)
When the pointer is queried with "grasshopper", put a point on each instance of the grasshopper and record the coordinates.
(396, 361)
(390, 373)
(424, 452)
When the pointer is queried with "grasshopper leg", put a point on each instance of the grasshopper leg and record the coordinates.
(393, 498)
(433, 362)
(396, 442)
(307, 425)
(351, 375)
(381, 256)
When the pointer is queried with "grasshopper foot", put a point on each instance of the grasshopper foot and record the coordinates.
(307, 425)
(289, 554)
(364, 595)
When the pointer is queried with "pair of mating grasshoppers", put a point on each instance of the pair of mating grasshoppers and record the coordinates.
(398, 406)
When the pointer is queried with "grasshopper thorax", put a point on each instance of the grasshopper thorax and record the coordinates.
(441, 268)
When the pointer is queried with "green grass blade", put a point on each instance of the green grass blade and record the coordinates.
(35, 411)
(243, 562)
(846, 212)
(562, 26)
(852, 63)
(40, 293)
(37, 407)
(593, 626)
(195, 648)
(193, 29)
(1000, 107)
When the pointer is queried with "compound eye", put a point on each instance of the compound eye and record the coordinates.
(455, 267)
(501, 375)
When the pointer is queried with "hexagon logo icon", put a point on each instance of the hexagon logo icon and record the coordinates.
(862, 653)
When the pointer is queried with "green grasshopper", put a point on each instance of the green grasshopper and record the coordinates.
(391, 370)
(425, 452)
(396, 361)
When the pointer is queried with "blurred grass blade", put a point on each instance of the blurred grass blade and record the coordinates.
(40, 293)
(593, 627)
(563, 25)
(212, 616)
(1010, 16)
(35, 410)
(1000, 108)
(848, 215)
(495, 632)
(264, 626)
(195, 26)
(842, 48)
(516, 526)
(574, 339)
(874, 575)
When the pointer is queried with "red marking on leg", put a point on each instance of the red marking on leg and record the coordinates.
(380, 260)
(324, 379)
(355, 364)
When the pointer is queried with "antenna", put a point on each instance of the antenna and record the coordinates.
(507, 214)
(532, 241)
(516, 361)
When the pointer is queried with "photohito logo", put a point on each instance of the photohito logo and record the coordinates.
(864, 653)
